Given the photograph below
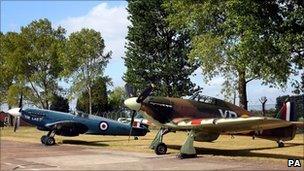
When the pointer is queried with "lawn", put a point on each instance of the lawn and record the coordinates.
(225, 146)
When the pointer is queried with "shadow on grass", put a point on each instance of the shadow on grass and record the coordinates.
(80, 142)
(244, 152)
(100, 142)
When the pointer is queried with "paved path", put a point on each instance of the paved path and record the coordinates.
(33, 156)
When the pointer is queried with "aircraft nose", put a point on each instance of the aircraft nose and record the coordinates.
(14, 112)
(132, 104)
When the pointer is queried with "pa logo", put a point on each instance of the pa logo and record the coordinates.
(294, 163)
(103, 126)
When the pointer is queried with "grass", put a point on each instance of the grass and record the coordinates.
(239, 147)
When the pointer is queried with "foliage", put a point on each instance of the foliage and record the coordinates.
(299, 86)
(85, 61)
(59, 103)
(99, 98)
(31, 60)
(5, 77)
(155, 53)
(117, 97)
(242, 40)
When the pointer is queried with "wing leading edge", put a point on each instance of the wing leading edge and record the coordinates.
(233, 125)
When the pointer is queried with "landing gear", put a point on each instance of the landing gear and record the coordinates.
(135, 138)
(280, 143)
(160, 149)
(43, 138)
(184, 156)
(49, 138)
(157, 144)
(188, 150)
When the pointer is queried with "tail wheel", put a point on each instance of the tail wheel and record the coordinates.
(280, 144)
(50, 141)
(161, 149)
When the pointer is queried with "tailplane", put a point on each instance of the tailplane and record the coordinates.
(287, 112)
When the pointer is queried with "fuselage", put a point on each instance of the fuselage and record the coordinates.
(165, 110)
(95, 124)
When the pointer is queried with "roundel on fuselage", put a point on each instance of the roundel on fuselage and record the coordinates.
(103, 126)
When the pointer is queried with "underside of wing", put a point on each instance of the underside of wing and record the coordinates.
(68, 128)
(232, 125)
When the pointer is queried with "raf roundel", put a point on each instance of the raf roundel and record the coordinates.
(103, 125)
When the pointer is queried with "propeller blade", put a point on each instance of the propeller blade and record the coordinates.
(131, 123)
(145, 93)
(16, 123)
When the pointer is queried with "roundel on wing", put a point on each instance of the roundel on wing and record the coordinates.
(103, 126)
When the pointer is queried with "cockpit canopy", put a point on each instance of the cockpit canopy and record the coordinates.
(207, 99)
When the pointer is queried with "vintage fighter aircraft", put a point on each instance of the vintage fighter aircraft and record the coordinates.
(205, 118)
(67, 124)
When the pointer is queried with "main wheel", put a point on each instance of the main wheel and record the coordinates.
(160, 149)
(43, 138)
(50, 141)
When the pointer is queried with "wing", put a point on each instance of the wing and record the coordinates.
(67, 128)
(233, 125)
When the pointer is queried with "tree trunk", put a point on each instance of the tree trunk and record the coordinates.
(263, 109)
(90, 101)
(242, 90)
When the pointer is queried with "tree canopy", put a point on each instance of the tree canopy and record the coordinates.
(85, 61)
(59, 103)
(31, 61)
(99, 98)
(117, 97)
(243, 40)
(155, 53)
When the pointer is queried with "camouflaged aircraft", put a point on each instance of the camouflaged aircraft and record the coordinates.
(205, 118)
(67, 124)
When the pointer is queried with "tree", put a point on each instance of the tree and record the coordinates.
(299, 86)
(59, 103)
(240, 40)
(31, 56)
(5, 79)
(85, 61)
(117, 97)
(99, 97)
(155, 53)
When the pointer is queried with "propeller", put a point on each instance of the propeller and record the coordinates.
(143, 95)
(134, 103)
(131, 123)
(16, 113)
(16, 123)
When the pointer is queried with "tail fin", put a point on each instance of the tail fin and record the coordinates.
(287, 112)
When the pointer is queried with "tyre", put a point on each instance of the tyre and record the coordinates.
(43, 138)
(50, 141)
(161, 149)
(280, 144)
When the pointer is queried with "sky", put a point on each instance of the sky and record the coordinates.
(110, 18)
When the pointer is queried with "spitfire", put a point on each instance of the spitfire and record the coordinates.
(205, 118)
(67, 124)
